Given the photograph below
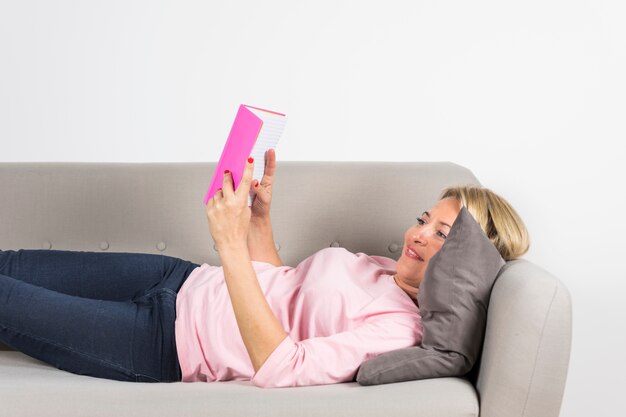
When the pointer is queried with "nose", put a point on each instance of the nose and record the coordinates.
(420, 235)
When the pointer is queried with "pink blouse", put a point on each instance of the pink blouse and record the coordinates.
(338, 309)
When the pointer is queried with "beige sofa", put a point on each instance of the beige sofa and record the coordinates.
(362, 206)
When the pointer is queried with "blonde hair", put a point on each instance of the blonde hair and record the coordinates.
(498, 219)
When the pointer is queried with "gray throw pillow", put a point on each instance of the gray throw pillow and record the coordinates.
(453, 300)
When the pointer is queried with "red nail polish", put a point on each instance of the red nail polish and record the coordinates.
(226, 172)
(256, 183)
(251, 159)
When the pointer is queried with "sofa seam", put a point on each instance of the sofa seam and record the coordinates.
(541, 338)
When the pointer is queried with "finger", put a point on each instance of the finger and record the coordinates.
(254, 189)
(270, 163)
(246, 180)
(212, 200)
(227, 184)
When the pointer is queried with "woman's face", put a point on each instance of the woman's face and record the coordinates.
(425, 238)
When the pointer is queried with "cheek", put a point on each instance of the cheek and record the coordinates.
(436, 247)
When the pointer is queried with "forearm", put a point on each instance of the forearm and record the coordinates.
(261, 242)
(259, 328)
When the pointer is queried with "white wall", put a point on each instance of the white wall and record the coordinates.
(530, 95)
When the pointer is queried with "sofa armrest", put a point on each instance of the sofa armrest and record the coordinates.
(527, 344)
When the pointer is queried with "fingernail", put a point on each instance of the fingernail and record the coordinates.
(251, 159)
(256, 183)
(226, 172)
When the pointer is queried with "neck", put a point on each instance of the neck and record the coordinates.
(410, 290)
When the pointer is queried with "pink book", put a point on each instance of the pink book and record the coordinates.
(254, 131)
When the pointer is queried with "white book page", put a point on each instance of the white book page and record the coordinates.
(272, 129)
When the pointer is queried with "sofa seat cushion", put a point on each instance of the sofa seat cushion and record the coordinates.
(29, 387)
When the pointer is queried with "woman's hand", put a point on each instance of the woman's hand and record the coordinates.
(262, 199)
(228, 212)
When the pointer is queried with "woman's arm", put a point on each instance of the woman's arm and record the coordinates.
(260, 329)
(260, 236)
(261, 241)
(337, 357)
(229, 222)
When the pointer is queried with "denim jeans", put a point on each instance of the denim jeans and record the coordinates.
(107, 315)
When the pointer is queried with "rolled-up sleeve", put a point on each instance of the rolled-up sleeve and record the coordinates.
(336, 358)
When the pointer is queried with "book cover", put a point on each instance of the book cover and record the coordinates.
(253, 132)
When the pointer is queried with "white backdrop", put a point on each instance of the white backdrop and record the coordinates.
(530, 95)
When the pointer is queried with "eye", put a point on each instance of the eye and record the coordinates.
(420, 221)
(441, 235)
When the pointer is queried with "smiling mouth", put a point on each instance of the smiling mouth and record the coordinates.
(413, 255)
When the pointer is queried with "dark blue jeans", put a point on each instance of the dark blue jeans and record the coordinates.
(107, 315)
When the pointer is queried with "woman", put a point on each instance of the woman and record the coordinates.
(142, 317)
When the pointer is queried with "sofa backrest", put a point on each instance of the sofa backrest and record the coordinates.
(158, 207)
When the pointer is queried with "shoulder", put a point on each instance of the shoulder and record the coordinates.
(342, 253)
(332, 252)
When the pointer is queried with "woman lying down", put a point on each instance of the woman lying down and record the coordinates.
(155, 318)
